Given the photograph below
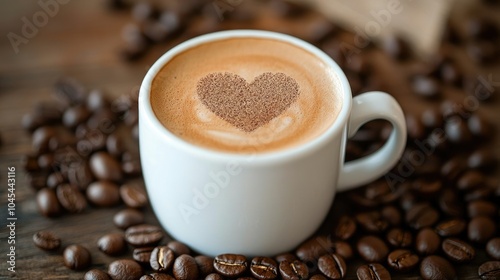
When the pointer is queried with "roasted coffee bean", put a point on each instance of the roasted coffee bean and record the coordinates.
(372, 222)
(205, 265)
(481, 208)
(96, 274)
(112, 244)
(143, 235)
(293, 270)
(142, 255)
(41, 137)
(157, 276)
(55, 179)
(428, 188)
(481, 229)
(230, 265)
(161, 258)
(493, 248)
(402, 260)
(70, 91)
(452, 169)
(80, 176)
(75, 115)
(133, 195)
(470, 180)
(457, 131)
(425, 86)
(185, 268)
(71, 198)
(45, 161)
(125, 269)
(422, 215)
(437, 268)
(415, 128)
(432, 118)
(372, 249)
(450, 203)
(408, 200)
(214, 276)
(285, 257)
(346, 227)
(76, 257)
(318, 277)
(457, 250)
(105, 167)
(264, 268)
(489, 270)
(48, 204)
(127, 218)
(392, 215)
(482, 159)
(399, 238)
(132, 167)
(342, 249)
(46, 240)
(332, 266)
(314, 248)
(179, 248)
(427, 241)
(478, 125)
(480, 193)
(373, 271)
(97, 100)
(103, 193)
(451, 227)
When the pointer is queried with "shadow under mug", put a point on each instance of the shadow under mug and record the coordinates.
(263, 204)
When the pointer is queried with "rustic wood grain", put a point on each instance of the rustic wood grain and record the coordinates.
(82, 41)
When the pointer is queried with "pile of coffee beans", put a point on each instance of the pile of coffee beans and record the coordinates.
(436, 211)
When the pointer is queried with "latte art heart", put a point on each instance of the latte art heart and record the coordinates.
(247, 106)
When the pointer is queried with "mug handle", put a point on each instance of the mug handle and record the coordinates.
(366, 107)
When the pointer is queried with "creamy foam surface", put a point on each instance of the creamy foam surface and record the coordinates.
(176, 104)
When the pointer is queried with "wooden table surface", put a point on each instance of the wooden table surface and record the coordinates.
(82, 40)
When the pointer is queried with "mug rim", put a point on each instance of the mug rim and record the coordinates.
(336, 128)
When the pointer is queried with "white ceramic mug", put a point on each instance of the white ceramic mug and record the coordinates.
(262, 204)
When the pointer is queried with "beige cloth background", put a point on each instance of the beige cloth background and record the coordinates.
(421, 22)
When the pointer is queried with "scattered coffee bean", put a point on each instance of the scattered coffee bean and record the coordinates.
(470, 180)
(74, 116)
(125, 269)
(48, 204)
(214, 276)
(372, 222)
(346, 227)
(162, 258)
(157, 276)
(332, 266)
(264, 268)
(230, 265)
(402, 260)
(318, 277)
(103, 193)
(105, 167)
(76, 257)
(293, 270)
(133, 195)
(399, 238)
(205, 265)
(71, 198)
(46, 240)
(142, 255)
(450, 203)
(422, 215)
(314, 248)
(143, 235)
(457, 250)
(437, 268)
(451, 227)
(96, 274)
(489, 270)
(493, 248)
(482, 159)
(179, 248)
(481, 229)
(112, 244)
(372, 249)
(185, 268)
(127, 218)
(392, 215)
(481, 208)
(373, 271)
(427, 241)
(342, 249)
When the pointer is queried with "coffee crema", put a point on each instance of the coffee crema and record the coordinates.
(195, 95)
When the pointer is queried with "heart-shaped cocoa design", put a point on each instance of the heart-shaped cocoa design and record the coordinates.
(247, 105)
